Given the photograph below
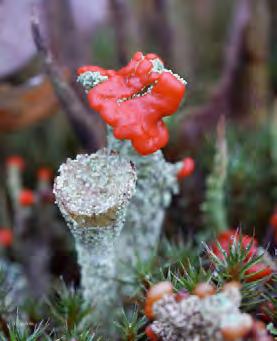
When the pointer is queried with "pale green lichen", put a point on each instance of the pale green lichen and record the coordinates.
(156, 184)
(93, 192)
(90, 79)
(214, 207)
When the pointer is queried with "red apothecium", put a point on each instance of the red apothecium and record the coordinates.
(187, 168)
(26, 198)
(6, 237)
(134, 100)
(45, 174)
(15, 161)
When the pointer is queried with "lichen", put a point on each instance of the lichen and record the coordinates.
(197, 319)
(156, 184)
(92, 192)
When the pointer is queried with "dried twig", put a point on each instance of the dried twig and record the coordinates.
(164, 35)
(222, 100)
(86, 128)
(119, 16)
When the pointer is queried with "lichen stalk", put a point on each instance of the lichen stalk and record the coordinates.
(92, 193)
(214, 207)
(14, 183)
(156, 184)
(199, 319)
(157, 179)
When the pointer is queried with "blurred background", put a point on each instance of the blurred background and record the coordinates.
(227, 52)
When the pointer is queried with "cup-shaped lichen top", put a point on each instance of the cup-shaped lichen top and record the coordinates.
(92, 189)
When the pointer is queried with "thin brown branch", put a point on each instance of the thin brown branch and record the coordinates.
(165, 32)
(87, 129)
(204, 117)
(67, 44)
(119, 15)
(4, 327)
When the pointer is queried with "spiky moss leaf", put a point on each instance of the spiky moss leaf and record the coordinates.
(249, 181)
(177, 254)
(20, 331)
(191, 276)
(130, 325)
(69, 311)
(170, 262)
(270, 299)
(233, 266)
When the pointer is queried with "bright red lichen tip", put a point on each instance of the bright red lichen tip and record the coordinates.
(150, 334)
(45, 174)
(187, 168)
(26, 198)
(15, 161)
(258, 271)
(273, 220)
(6, 237)
(134, 99)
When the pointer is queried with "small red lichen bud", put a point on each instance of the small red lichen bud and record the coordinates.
(234, 332)
(273, 220)
(257, 271)
(181, 295)
(15, 161)
(187, 168)
(230, 285)
(6, 237)
(26, 198)
(45, 174)
(204, 289)
(150, 334)
(154, 294)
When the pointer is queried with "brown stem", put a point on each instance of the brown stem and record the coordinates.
(243, 87)
(119, 18)
(4, 327)
(165, 33)
(65, 40)
(88, 130)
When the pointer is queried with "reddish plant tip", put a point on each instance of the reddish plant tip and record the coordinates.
(26, 198)
(203, 290)
(6, 237)
(238, 331)
(45, 174)
(231, 285)
(154, 294)
(15, 161)
(150, 334)
(181, 295)
(134, 100)
(273, 220)
(187, 168)
(264, 311)
(258, 271)
(226, 240)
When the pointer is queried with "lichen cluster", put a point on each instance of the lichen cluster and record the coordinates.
(198, 319)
